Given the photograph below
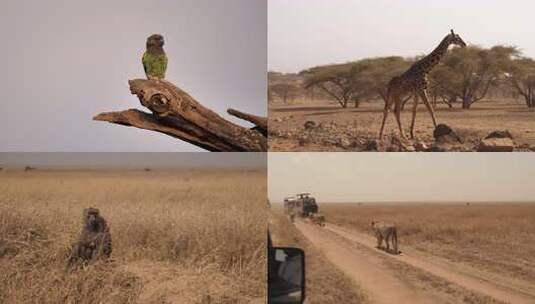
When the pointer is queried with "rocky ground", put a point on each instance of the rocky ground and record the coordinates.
(330, 136)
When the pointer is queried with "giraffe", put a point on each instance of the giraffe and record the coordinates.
(414, 81)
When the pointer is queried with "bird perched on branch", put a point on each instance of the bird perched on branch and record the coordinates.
(154, 59)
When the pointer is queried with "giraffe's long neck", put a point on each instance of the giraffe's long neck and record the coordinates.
(430, 61)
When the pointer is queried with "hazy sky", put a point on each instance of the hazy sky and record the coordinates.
(65, 61)
(394, 177)
(305, 33)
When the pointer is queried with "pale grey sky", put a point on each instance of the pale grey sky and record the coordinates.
(65, 61)
(306, 33)
(395, 177)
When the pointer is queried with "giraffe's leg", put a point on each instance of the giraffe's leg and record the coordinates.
(416, 99)
(397, 113)
(388, 103)
(423, 95)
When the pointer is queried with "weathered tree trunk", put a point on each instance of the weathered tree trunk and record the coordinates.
(467, 102)
(177, 114)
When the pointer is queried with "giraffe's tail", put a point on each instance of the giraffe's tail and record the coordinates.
(388, 99)
(388, 106)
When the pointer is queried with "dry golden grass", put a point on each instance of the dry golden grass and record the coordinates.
(178, 236)
(499, 238)
(325, 284)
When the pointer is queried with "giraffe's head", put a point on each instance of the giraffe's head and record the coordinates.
(456, 39)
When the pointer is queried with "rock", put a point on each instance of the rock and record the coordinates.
(496, 145)
(278, 119)
(309, 124)
(372, 145)
(438, 148)
(395, 145)
(420, 146)
(444, 134)
(393, 148)
(409, 148)
(345, 143)
(445, 139)
(441, 130)
(499, 134)
(303, 140)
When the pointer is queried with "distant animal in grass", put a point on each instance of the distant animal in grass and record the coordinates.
(94, 241)
(154, 59)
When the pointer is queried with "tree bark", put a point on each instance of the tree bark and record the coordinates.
(177, 114)
(467, 102)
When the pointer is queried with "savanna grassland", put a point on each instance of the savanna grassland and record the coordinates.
(184, 236)
(325, 283)
(496, 238)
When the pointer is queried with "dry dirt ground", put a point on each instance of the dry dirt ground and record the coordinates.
(178, 236)
(350, 129)
(451, 253)
(325, 284)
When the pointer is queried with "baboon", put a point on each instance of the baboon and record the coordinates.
(386, 232)
(94, 240)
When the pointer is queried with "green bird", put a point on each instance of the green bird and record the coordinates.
(154, 59)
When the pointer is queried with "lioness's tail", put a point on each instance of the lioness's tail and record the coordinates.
(395, 241)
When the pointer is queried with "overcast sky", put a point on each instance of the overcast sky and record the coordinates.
(410, 177)
(65, 61)
(305, 33)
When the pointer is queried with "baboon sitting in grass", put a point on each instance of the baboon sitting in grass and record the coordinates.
(94, 241)
(386, 232)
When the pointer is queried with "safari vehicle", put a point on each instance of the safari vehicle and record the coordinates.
(286, 274)
(303, 204)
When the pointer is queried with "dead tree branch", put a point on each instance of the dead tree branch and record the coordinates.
(177, 114)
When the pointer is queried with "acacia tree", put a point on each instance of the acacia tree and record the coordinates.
(468, 73)
(367, 78)
(522, 77)
(339, 81)
(284, 91)
(377, 72)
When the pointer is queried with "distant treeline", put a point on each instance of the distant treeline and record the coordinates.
(464, 76)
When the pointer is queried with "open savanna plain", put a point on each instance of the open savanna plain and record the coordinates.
(351, 129)
(450, 253)
(180, 236)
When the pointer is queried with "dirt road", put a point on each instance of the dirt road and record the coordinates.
(367, 267)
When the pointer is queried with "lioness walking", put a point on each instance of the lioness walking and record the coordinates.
(388, 233)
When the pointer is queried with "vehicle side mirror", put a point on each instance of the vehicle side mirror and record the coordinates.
(286, 275)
